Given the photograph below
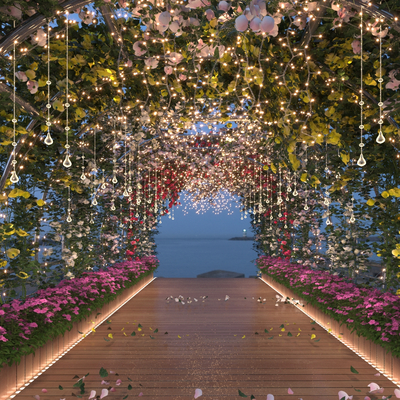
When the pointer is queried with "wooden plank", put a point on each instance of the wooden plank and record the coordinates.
(211, 357)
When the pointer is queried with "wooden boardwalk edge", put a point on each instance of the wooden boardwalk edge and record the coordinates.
(375, 355)
(14, 378)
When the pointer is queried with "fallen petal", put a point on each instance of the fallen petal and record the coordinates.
(198, 393)
(270, 397)
(290, 391)
(104, 393)
(44, 390)
(92, 394)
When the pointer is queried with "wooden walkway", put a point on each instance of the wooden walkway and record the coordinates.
(210, 345)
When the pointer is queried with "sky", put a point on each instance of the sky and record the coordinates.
(207, 225)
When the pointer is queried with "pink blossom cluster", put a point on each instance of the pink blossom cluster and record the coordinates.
(367, 309)
(19, 320)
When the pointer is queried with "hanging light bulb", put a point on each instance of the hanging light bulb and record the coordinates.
(67, 162)
(83, 177)
(328, 220)
(48, 139)
(103, 186)
(69, 219)
(94, 202)
(115, 180)
(125, 194)
(113, 207)
(14, 177)
(361, 161)
(295, 193)
(380, 139)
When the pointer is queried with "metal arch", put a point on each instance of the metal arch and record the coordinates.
(32, 24)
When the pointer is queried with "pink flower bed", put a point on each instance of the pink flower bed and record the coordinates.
(27, 325)
(370, 312)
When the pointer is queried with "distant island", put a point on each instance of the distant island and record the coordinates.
(242, 238)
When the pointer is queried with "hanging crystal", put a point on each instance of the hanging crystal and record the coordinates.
(48, 141)
(380, 139)
(14, 177)
(361, 161)
(67, 162)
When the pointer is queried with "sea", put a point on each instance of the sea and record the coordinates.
(189, 257)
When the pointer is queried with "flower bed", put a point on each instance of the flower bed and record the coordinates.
(369, 312)
(25, 326)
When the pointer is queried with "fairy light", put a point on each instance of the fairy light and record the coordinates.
(48, 140)
(361, 161)
(67, 162)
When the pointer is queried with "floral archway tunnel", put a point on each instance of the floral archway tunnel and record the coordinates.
(109, 110)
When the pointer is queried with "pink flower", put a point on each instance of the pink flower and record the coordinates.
(356, 45)
(182, 77)
(41, 310)
(67, 317)
(210, 14)
(32, 86)
(168, 70)
(3, 338)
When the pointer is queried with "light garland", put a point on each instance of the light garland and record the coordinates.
(380, 139)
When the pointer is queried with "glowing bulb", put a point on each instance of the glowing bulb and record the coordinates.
(14, 177)
(113, 207)
(361, 161)
(125, 193)
(83, 177)
(103, 186)
(328, 221)
(380, 139)
(115, 180)
(69, 219)
(67, 162)
(48, 139)
(295, 193)
(94, 202)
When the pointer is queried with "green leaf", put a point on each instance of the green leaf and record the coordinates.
(129, 379)
(133, 333)
(151, 337)
(270, 337)
(166, 333)
(289, 334)
(316, 341)
(76, 377)
(358, 390)
(30, 74)
(58, 105)
(124, 397)
(266, 330)
(313, 322)
(353, 370)
(140, 326)
(241, 394)
(252, 397)
(103, 372)
(107, 340)
(60, 387)
(282, 326)
(129, 387)
(156, 330)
